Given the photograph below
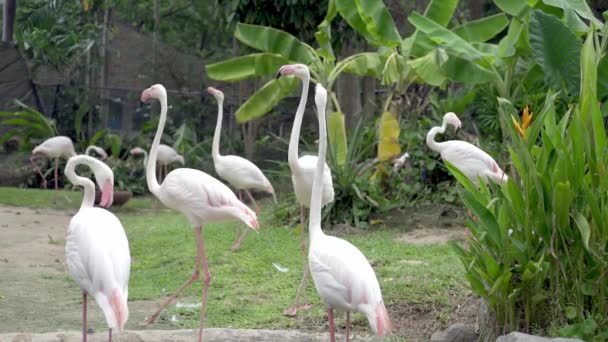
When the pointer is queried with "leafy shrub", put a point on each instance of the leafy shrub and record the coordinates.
(538, 253)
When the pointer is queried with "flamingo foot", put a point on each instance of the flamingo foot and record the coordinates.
(235, 246)
(291, 311)
(305, 306)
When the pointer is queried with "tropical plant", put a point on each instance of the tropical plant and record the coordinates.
(27, 124)
(537, 254)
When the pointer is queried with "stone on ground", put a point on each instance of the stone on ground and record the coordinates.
(521, 337)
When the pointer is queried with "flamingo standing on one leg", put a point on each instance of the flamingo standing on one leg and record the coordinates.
(238, 171)
(342, 275)
(97, 250)
(53, 148)
(100, 151)
(198, 196)
(468, 158)
(302, 174)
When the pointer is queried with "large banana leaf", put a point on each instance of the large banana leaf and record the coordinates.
(418, 44)
(388, 137)
(579, 6)
(336, 131)
(463, 70)
(556, 49)
(371, 19)
(395, 69)
(441, 11)
(428, 67)
(323, 35)
(446, 38)
(513, 7)
(361, 64)
(263, 100)
(240, 68)
(507, 45)
(602, 77)
(482, 30)
(275, 41)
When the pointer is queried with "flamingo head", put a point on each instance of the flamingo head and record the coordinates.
(137, 151)
(219, 95)
(452, 119)
(105, 180)
(298, 70)
(156, 91)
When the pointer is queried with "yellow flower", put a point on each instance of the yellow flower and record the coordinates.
(526, 120)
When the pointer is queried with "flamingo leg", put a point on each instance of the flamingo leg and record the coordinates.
(347, 325)
(56, 177)
(84, 316)
(206, 281)
(185, 285)
(110, 335)
(257, 207)
(237, 233)
(293, 310)
(166, 168)
(32, 160)
(332, 328)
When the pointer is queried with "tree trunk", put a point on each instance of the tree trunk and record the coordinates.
(349, 91)
(156, 29)
(8, 20)
(103, 76)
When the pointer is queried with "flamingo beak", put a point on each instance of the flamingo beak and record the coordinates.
(285, 70)
(145, 95)
(107, 194)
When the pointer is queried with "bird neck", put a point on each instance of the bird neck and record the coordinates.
(430, 136)
(89, 187)
(151, 165)
(294, 140)
(316, 198)
(215, 148)
(145, 158)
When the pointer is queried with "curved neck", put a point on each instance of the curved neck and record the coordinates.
(146, 159)
(88, 185)
(151, 164)
(316, 198)
(88, 150)
(294, 140)
(430, 136)
(215, 148)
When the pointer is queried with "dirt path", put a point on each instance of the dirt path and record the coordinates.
(34, 282)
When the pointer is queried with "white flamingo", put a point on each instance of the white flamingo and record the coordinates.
(97, 250)
(53, 148)
(238, 171)
(100, 151)
(342, 275)
(302, 174)
(198, 196)
(468, 158)
(166, 155)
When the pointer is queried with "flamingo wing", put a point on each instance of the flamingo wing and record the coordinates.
(470, 159)
(241, 173)
(303, 179)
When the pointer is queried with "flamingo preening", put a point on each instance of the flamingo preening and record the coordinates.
(98, 150)
(198, 196)
(97, 250)
(53, 148)
(342, 275)
(238, 171)
(302, 173)
(468, 158)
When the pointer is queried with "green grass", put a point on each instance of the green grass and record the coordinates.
(247, 291)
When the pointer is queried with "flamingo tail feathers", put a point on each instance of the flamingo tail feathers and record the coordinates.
(119, 308)
(383, 322)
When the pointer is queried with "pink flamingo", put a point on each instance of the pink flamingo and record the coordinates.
(98, 150)
(166, 155)
(198, 196)
(342, 275)
(238, 171)
(97, 250)
(302, 175)
(53, 148)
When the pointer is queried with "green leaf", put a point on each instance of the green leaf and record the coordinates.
(562, 199)
(482, 30)
(78, 119)
(506, 47)
(579, 6)
(462, 70)
(336, 132)
(428, 68)
(513, 7)
(323, 34)
(379, 21)
(275, 41)
(262, 101)
(361, 64)
(584, 229)
(602, 77)
(240, 68)
(556, 49)
(441, 11)
(350, 12)
(446, 38)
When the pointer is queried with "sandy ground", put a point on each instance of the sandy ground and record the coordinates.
(37, 295)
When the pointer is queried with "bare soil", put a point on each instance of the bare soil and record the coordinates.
(36, 295)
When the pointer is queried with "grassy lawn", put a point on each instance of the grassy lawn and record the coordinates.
(247, 291)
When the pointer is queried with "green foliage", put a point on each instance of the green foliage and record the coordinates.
(537, 253)
(27, 124)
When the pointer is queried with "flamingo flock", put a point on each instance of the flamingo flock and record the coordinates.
(97, 249)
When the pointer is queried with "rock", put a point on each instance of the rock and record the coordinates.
(211, 335)
(521, 337)
(457, 332)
